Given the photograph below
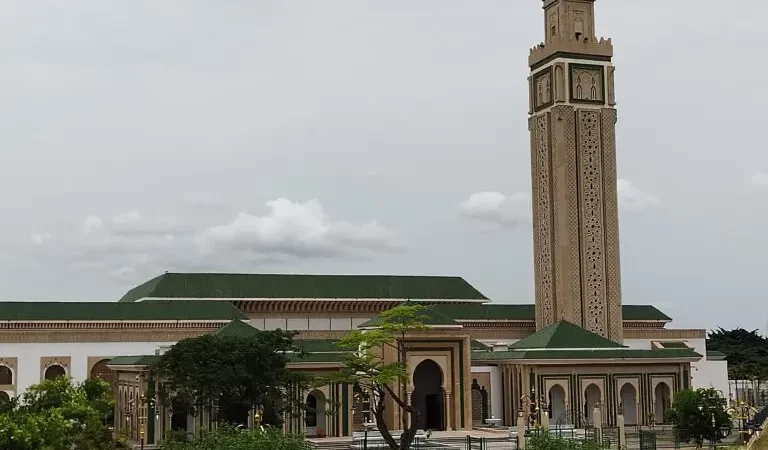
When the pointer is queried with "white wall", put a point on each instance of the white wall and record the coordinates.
(28, 366)
(496, 395)
(710, 374)
(704, 374)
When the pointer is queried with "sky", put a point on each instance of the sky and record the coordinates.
(375, 137)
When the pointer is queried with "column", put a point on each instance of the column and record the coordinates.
(450, 408)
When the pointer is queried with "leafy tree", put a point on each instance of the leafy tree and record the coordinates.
(231, 374)
(366, 367)
(746, 353)
(699, 415)
(57, 414)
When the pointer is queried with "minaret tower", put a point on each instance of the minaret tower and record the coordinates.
(573, 169)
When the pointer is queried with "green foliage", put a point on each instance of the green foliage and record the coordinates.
(56, 414)
(746, 352)
(230, 438)
(366, 368)
(546, 441)
(233, 373)
(699, 415)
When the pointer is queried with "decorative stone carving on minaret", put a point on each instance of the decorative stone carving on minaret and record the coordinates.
(573, 173)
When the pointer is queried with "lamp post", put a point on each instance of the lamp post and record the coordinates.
(743, 412)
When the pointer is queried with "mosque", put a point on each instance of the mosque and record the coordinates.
(578, 347)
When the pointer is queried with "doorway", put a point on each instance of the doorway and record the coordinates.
(428, 396)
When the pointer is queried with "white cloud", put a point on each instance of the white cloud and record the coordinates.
(41, 238)
(295, 229)
(134, 245)
(510, 211)
(631, 198)
(760, 180)
(497, 208)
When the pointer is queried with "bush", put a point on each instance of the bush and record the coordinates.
(230, 438)
(546, 441)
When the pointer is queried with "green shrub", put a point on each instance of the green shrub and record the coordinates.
(229, 438)
(546, 441)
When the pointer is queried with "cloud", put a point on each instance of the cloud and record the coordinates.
(631, 198)
(296, 229)
(41, 238)
(759, 180)
(134, 245)
(510, 211)
(497, 209)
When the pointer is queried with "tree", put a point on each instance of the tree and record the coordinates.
(367, 368)
(699, 415)
(231, 374)
(746, 353)
(57, 414)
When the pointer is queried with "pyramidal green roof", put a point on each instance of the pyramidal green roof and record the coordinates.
(428, 316)
(236, 328)
(275, 286)
(564, 335)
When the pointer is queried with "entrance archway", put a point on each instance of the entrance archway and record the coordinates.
(314, 418)
(428, 396)
(6, 376)
(557, 403)
(54, 371)
(628, 395)
(661, 401)
(592, 397)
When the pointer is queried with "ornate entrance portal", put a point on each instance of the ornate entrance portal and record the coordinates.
(428, 396)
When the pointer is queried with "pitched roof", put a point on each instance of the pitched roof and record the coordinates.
(236, 328)
(564, 335)
(229, 285)
(137, 360)
(102, 311)
(643, 312)
(526, 312)
(428, 316)
(487, 312)
(586, 354)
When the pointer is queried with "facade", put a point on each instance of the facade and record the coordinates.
(576, 349)
(477, 362)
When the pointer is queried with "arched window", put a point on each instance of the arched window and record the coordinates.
(6, 376)
(4, 397)
(101, 371)
(311, 417)
(54, 371)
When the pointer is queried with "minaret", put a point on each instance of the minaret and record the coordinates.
(573, 170)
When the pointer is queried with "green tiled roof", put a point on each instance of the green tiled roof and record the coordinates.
(479, 346)
(138, 360)
(643, 312)
(227, 285)
(564, 335)
(673, 344)
(150, 310)
(619, 353)
(487, 312)
(527, 312)
(317, 345)
(714, 355)
(317, 358)
(428, 316)
(236, 328)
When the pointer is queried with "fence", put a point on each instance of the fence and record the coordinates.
(607, 439)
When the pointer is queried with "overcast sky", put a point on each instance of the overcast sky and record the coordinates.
(351, 136)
